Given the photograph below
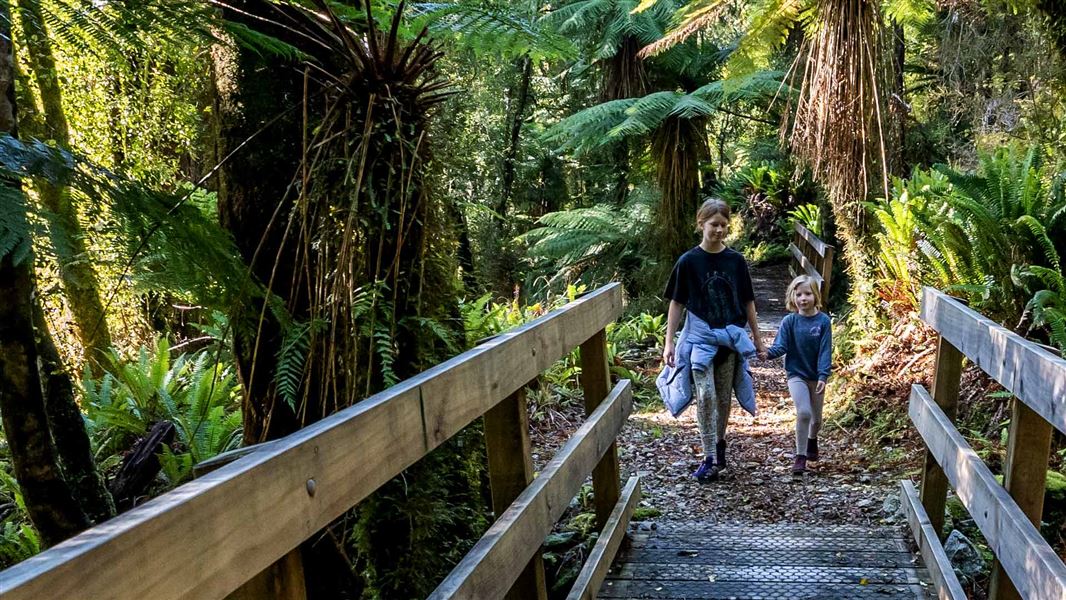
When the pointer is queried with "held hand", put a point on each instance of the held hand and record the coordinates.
(820, 388)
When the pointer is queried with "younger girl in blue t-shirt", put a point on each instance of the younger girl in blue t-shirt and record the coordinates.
(805, 339)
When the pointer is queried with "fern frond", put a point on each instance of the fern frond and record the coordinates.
(292, 359)
(499, 30)
(693, 18)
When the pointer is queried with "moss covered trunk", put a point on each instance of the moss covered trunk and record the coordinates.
(49, 501)
(80, 284)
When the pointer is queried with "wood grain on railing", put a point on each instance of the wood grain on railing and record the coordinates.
(1032, 565)
(599, 560)
(927, 539)
(493, 564)
(208, 537)
(1031, 373)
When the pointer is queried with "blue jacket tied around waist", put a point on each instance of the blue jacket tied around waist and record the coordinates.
(695, 351)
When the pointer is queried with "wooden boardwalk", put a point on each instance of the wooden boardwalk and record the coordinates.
(748, 562)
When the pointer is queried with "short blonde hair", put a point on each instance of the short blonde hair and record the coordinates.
(709, 208)
(790, 293)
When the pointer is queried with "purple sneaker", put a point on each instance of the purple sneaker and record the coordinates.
(707, 472)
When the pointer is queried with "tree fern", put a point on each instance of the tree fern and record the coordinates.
(598, 240)
(634, 117)
(493, 29)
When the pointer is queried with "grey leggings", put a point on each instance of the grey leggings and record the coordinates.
(713, 391)
(808, 410)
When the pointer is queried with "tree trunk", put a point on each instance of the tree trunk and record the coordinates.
(254, 205)
(49, 501)
(80, 285)
(67, 426)
(679, 146)
(520, 101)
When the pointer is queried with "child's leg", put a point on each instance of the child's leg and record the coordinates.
(801, 395)
(705, 403)
(817, 400)
(723, 391)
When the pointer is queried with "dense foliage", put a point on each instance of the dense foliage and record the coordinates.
(235, 218)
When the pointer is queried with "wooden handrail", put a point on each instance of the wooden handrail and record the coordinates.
(208, 537)
(1008, 515)
(811, 256)
(1034, 375)
(493, 564)
(1031, 563)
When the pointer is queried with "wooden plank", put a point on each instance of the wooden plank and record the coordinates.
(807, 267)
(1025, 478)
(603, 553)
(815, 242)
(595, 384)
(1026, 370)
(946, 381)
(1031, 563)
(206, 538)
(827, 274)
(283, 580)
(927, 538)
(510, 464)
(493, 564)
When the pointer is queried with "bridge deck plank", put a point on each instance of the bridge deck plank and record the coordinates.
(707, 562)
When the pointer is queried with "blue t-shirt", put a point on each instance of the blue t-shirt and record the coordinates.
(715, 286)
(807, 345)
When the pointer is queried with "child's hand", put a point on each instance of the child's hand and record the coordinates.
(820, 388)
(668, 355)
(763, 354)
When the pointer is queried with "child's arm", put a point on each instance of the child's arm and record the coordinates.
(825, 357)
(673, 320)
(784, 336)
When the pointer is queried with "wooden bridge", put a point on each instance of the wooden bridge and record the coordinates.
(235, 531)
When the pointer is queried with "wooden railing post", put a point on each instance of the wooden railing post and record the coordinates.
(596, 384)
(827, 273)
(946, 382)
(510, 471)
(1025, 477)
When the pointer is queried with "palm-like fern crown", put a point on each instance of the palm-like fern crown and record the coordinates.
(634, 117)
(613, 21)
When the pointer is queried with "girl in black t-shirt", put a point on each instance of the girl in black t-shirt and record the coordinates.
(712, 282)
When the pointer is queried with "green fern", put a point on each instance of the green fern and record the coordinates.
(597, 240)
(634, 117)
(292, 358)
(193, 392)
(493, 29)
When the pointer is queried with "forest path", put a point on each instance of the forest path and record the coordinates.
(759, 532)
(757, 486)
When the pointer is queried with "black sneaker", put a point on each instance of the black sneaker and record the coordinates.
(707, 472)
(812, 449)
(719, 453)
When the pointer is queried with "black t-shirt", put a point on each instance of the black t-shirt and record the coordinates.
(716, 287)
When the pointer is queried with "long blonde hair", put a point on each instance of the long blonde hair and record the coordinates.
(790, 293)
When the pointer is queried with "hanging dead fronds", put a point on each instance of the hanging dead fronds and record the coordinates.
(839, 123)
(624, 74)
